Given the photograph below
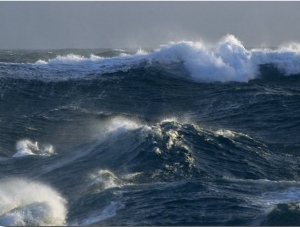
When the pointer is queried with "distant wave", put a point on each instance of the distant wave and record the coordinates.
(228, 60)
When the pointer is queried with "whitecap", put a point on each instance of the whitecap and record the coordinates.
(25, 203)
(27, 147)
(104, 179)
(227, 60)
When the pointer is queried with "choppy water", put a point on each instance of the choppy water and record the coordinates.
(188, 134)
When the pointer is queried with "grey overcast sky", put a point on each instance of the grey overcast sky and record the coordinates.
(43, 25)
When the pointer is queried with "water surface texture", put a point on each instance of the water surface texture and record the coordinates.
(188, 134)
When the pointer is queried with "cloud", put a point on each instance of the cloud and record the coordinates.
(148, 24)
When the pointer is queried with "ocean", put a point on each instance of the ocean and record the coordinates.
(187, 134)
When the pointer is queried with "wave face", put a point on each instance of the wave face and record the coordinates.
(188, 134)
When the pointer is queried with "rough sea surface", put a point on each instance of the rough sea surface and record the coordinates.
(187, 134)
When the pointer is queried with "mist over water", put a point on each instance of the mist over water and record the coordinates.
(186, 134)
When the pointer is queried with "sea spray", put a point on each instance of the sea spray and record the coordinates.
(26, 203)
(27, 147)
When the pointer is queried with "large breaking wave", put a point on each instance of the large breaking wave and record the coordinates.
(228, 60)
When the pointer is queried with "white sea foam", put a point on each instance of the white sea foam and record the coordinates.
(225, 133)
(27, 147)
(28, 203)
(119, 125)
(228, 60)
(81, 66)
(104, 179)
(285, 58)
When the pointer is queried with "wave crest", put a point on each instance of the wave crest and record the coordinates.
(28, 203)
(227, 60)
(27, 147)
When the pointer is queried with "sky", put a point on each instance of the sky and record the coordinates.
(111, 24)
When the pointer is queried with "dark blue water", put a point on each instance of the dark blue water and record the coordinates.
(183, 135)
